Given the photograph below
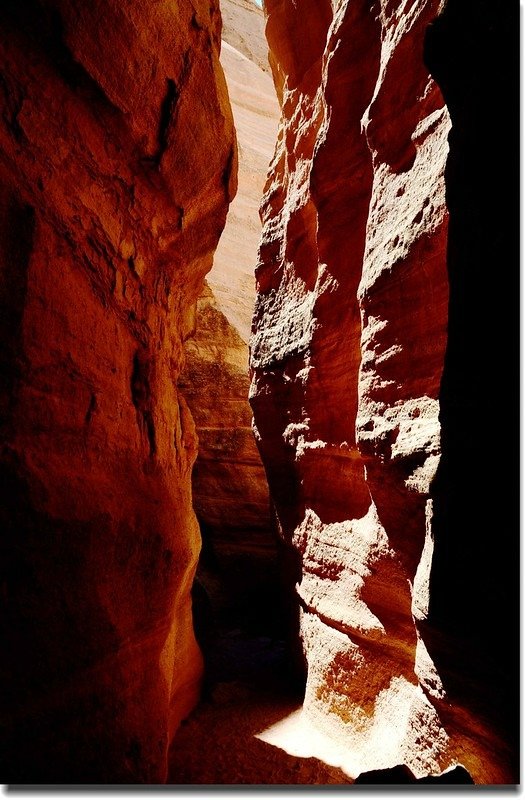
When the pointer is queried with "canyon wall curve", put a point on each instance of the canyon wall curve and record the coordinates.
(118, 163)
(347, 356)
(385, 421)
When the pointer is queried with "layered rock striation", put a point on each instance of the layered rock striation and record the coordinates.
(240, 563)
(350, 331)
(117, 165)
(243, 29)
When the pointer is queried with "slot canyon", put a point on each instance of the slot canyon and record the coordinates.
(259, 392)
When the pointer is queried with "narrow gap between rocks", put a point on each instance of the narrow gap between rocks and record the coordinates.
(253, 675)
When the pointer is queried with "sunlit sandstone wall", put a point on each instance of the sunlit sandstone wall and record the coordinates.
(117, 165)
(347, 356)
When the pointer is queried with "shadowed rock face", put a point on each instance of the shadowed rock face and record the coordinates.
(474, 595)
(401, 774)
(117, 165)
(348, 351)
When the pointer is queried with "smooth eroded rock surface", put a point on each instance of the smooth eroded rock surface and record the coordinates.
(347, 354)
(117, 164)
(243, 29)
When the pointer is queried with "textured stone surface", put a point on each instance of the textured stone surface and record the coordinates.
(229, 484)
(117, 164)
(347, 356)
(243, 29)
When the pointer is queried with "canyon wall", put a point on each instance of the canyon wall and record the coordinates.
(243, 28)
(348, 350)
(239, 564)
(117, 164)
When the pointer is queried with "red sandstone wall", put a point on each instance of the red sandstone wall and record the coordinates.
(117, 165)
(347, 356)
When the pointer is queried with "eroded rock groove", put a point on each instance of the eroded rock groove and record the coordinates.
(348, 351)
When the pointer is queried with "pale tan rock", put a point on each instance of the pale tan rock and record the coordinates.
(243, 28)
(229, 484)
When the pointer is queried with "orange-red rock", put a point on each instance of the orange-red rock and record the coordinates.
(117, 164)
(347, 355)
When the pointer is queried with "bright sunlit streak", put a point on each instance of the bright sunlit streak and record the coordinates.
(297, 736)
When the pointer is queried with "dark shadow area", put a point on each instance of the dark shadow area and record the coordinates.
(43, 29)
(17, 227)
(402, 774)
(472, 51)
(245, 617)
